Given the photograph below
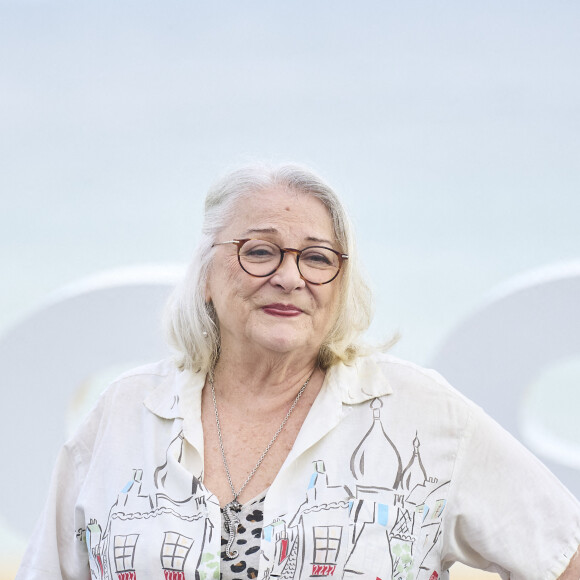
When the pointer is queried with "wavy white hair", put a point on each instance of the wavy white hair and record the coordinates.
(191, 323)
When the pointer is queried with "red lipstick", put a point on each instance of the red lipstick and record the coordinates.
(285, 310)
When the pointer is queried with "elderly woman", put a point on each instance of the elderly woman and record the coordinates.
(275, 446)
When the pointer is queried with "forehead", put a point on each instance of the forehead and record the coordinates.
(284, 212)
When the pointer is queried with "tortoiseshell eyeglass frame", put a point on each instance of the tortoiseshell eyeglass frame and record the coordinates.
(239, 243)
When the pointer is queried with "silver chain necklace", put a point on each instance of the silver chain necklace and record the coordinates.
(231, 520)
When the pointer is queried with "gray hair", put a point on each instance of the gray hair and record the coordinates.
(191, 322)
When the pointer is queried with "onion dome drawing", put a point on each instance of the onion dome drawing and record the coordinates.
(414, 474)
(376, 461)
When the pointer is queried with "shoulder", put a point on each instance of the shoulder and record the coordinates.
(382, 374)
(123, 401)
(145, 376)
(133, 386)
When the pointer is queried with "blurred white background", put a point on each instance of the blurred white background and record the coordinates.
(451, 129)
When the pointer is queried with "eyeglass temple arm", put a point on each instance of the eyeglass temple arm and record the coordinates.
(228, 242)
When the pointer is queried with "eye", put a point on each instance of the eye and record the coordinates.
(259, 251)
(318, 258)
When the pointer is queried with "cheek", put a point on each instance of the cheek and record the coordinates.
(221, 280)
(328, 303)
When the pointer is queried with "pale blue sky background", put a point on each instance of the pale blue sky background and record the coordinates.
(451, 129)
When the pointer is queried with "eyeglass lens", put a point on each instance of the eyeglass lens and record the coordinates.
(316, 264)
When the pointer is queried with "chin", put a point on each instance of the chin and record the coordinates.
(283, 346)
(282, 342)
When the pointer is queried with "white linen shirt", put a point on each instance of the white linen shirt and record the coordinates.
(394, 475)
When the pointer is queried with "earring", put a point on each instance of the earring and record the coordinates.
(204, 333)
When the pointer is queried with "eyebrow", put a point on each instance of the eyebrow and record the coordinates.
(275, 231)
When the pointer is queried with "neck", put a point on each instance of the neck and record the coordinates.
(269, 379)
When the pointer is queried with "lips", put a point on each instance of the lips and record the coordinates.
(285, 310)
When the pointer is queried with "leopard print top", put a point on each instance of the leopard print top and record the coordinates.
(245, 564)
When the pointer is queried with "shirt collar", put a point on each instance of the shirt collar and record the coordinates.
(361, 381)
(179, 394)
(178, 391)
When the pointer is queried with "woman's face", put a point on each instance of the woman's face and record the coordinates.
(280, 313)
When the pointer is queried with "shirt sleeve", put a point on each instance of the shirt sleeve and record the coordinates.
(507, 512)
(57, 548)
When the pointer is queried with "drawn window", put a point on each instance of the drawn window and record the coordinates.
(175, 550)
(125, 552)
(326, 544)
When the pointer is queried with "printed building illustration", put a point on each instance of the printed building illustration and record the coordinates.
(338, 532)
(390, 519)
(178, 530)
(320, 519)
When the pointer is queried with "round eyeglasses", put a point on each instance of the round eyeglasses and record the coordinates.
(316, 264)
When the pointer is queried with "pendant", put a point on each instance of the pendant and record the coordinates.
(231, 524)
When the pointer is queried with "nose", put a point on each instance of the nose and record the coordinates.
(287, 276)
